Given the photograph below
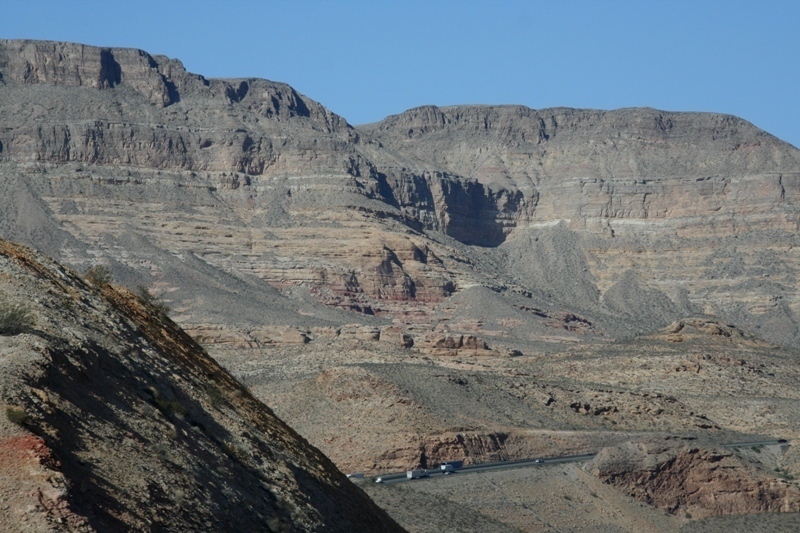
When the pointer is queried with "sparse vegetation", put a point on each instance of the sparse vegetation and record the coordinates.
(235, 451)
(162, 451)
(15, 318)
(171, 407)
(152, 302)
(216, 397)
(98, 275)
(16, 415)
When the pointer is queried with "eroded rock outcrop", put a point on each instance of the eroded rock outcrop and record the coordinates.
(445, 343)
(687, 479)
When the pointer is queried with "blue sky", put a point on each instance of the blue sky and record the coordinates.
(368, 59)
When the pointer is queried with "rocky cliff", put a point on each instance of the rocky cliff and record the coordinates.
(115, 419)
(210, 189)
(686, 204)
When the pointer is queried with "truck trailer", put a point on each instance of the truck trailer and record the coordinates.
(416, 474)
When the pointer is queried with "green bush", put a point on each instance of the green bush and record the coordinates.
(152, 302)
(15, 318)
(98, 275)
(171, 407)
(16, 415)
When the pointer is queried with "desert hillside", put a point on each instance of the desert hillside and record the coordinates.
(114, 419)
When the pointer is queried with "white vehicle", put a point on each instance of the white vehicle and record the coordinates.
(378, 480)
(416, 474)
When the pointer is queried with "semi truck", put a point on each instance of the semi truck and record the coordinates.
(449, 466)
(416, 474)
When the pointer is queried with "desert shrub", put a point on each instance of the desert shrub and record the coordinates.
(171, 407)
(16, 415)
(15, 318)
(98, 275)
(216, 397)
(152, 302)
(162, 451)
(235, 451)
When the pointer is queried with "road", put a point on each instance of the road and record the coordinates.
(389, 479)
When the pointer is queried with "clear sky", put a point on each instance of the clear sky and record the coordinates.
(368, 59)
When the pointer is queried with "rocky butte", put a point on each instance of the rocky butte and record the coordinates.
(478, 282)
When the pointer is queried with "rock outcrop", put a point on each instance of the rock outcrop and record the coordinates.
(711, 193)
(695, 480)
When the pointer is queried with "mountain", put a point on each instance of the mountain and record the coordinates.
(120, 156)
(460, 282)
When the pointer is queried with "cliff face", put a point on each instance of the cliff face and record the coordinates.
(672, 200)
(114, 418)
(634, 215)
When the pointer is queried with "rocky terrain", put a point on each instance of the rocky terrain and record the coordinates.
(114, 419)
(688, 479)
(569, 497)
(627, 219)
(477, 282)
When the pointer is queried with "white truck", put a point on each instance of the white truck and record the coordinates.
(450, 466)
(416, 474)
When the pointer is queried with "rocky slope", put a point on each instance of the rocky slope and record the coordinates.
(115, 419)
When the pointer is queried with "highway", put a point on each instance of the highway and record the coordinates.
(389, 479)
